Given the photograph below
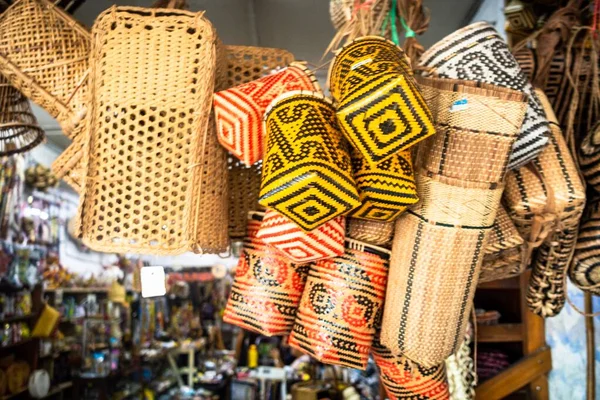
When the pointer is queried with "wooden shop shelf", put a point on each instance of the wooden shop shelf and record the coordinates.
(500, 333)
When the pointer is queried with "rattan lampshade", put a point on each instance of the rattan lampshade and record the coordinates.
(19, 130)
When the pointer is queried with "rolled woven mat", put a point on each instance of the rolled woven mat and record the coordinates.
(478, 53)
(589, 157)
(404, 379)
(341, 305)
(19, 129)
(503, 255)
(380, 109)
(545, 201)
(267, 287)
(386, 189)
(157, 177)
(239, 110)
(585, 268)
(439, 244)
(246, 64)
(373, 232)
(283, 234)
(307, 171)
(44, 53)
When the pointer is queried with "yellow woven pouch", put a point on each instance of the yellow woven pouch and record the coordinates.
(307, 171)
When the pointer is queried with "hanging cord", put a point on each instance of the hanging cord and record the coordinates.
(415, 19)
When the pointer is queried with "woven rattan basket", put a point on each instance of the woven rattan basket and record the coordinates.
(267, 288)
(404, 379)
(341, 306)
(585, 271)
(19, 130)
(545, 201)
(44, 53)
(156, 178)
(589, 157)
(246, 64)
(478, 53)
(373, 232)
(69, 165)
(503, 256)
(438, 244)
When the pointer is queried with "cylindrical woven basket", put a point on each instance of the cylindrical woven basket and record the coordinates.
(439, 243)
(503, 255)
(341, 306)
(327, 241)
(386, 189)
(19, 130)
(239, 110)
(589, 157)
(478, 53)
(44, 53)
(246, 64)
(307, 172)
(546, 201)
(156, 177)
(380, 108)
(404, 379)
(373, 232)
(585, 268)
(267, 288)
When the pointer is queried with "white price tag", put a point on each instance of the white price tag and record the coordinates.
(153, 281)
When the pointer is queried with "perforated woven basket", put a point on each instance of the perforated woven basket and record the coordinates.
(373, 232)
(156, 179)
(385, 189)
(307, 172)
(239, 110)
(44, 53)
(267, 287)
(478, 53)
(246, 64)
(283, 234)
(19, 130)
(585, 271)
(341, 306)
(438, 244)
(404, 379)
(380, 109)
(545, 201)
(503, 256)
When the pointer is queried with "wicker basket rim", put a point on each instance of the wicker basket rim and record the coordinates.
(72, 22)
(143, 12)
(305, 93)
(472, 87)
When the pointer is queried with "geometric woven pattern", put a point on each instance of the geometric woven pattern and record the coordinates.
(589, 157)
(478, 53)
(341, 306)
(585, 269)
(307, 171)
(386, 188)
(239, 110)
(381, 111)
(267, 287)
(326, 241)
(404, 379)
(44, 53)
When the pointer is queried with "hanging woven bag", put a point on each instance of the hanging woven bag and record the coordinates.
(246, 64)
(589, 157)
(44, 53)
(267, 287)
(545, 201)
(326, 241)
(156, 176)
(386, 189)
(239, 110)
(478, 53)
(585, 268)
(438, 244)
(379, 109)
(307, 172)
(341, 305)
(404, 379)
